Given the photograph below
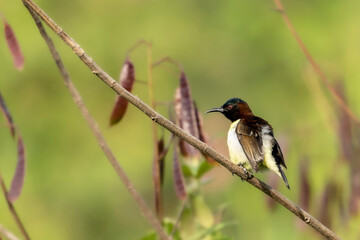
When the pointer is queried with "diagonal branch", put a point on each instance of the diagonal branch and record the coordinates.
(95, 129)
(204, 148)
(316, 67)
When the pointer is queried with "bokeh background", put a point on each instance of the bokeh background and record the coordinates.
(228, 49)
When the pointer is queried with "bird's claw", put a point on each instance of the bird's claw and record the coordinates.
(247, 173)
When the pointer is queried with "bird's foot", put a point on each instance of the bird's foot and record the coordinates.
(247, 173)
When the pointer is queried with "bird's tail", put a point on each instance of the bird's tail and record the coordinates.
(283, 176)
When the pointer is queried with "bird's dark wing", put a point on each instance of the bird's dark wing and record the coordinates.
(251, 142)
(277, 154)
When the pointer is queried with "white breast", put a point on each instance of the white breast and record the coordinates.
(237, 154)
(267, 140)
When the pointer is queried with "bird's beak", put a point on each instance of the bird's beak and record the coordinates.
(221, 110)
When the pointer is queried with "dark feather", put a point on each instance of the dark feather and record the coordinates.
(279, 158)
(256, 123)
(251, 142)
(284, 177)
(277, 154)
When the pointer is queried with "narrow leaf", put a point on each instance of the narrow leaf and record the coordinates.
(18, 179)
(127, 79)
(179, 183)
(13, 46)
(7, 115)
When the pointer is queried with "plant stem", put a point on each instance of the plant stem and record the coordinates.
(156, 164)
(13, 211)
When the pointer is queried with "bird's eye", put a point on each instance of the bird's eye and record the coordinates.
(229, 107)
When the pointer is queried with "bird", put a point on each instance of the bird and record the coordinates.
(250, 140)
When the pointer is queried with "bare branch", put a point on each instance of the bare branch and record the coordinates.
(316, 67)
(156, 117)
(95, 129)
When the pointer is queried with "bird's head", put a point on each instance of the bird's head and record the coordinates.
(234, 109)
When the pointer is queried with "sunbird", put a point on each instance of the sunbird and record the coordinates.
(251, 139)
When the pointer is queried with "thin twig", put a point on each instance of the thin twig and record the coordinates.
(203, 147)
(12, 210)
(156, 159)
(135, 46)
(96, 131)
(316, 67)
(170, 60)
(178, 219)
(9, 235)
(167, 148)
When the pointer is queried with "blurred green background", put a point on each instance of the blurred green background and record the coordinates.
(228, 49)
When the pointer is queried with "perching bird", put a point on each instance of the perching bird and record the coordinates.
(251, 140)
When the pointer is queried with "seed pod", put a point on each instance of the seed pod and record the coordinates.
(178, 114)
(18, 179)
(185, 113)
(179, 183)
(127, 79)
(14, 46)
(188, 111)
